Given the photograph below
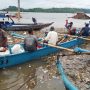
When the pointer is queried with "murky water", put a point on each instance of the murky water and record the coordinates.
(35, 75)
(42, 74)
(57, 18)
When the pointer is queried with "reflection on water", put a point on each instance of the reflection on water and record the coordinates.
(36, 75)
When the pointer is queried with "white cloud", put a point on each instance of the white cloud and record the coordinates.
(46, 3)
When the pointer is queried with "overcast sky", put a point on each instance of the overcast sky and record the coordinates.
(46, 3)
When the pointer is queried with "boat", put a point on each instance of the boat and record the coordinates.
(8, 24)
(68, 84)
(14, 59)
(80, 15)
(24, 27)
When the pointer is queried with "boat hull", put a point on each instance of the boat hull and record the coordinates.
(10, 25)
(27, 27)
(14, 59)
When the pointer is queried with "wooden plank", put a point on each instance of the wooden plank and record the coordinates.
(59, 47)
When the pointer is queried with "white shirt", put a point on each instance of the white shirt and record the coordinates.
(52, 37)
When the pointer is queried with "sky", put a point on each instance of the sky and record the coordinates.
(46, 3)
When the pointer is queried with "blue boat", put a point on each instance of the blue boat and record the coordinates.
(8, 24)
(14, 59)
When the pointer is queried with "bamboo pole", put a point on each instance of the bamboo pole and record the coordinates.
(59, 47)
(67, 49)
(76, 37)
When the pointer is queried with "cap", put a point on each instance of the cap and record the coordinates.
(52, 28)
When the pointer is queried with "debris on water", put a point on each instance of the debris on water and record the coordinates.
(24, 33)
(32, 83)
(45, 71)
(26, 85)
(78, 70)
(19, 68)
(29, 66)
(54, 77)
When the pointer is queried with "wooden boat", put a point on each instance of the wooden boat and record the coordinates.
(14, 59)
(68, 84)
(80, 15)
(8, 24)
(27, 27)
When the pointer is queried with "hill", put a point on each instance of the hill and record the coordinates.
(49, 10)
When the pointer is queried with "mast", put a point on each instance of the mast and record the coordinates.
(18, 10)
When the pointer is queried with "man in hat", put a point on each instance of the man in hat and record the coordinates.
(52, 36)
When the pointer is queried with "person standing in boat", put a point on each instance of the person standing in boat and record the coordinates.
(30, 42)
(85, 31)
(52, 36)
(3, 38)
(34, 20)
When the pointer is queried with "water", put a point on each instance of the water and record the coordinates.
(35, 75)
(57, 18)
(39, 74)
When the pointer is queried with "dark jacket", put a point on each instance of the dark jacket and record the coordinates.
(30, 43)
(85, 31)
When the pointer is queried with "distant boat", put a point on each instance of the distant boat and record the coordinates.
(80, 15)
(14, 15)
(8, 24)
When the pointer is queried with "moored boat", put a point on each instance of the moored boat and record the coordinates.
(8, 24)
(14, 59)
(27, 27)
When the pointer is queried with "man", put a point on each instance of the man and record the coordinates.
(30, 42)
(66, 24)
(85, 31)
(34, 20)
(52, 36)
(3, 38)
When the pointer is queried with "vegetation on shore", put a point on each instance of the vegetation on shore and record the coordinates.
(49, 10)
